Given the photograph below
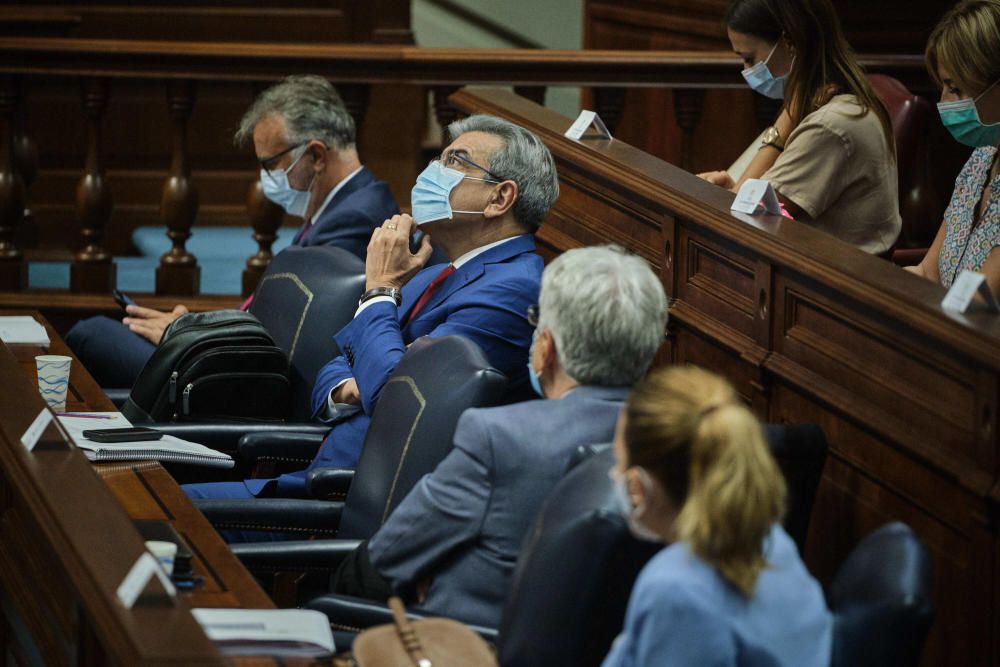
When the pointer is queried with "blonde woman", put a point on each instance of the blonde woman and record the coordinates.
(830, 155)
(693, 469)
(963, 56)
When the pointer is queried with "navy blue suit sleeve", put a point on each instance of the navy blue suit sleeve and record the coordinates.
(443, 511)
(333, 373)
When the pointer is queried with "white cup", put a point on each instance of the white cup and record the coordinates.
(165, 553)
(53, 379)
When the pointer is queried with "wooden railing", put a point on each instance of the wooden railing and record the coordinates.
(100, 66)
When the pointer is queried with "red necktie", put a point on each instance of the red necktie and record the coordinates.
(306, 226)
(429, 292)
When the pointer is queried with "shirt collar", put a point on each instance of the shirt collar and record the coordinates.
(333, 193)
(480, 250)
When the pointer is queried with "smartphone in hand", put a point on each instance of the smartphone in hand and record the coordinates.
(122, 299)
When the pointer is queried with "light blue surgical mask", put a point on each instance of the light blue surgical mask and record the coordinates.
(430, 197)
(963, 121)
(760, 79)
(276, 187)
(633, 515)
(533, 377)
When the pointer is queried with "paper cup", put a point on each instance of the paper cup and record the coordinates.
(165, 553)
(53, 379)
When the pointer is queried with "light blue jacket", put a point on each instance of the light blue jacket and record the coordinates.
(682, 612)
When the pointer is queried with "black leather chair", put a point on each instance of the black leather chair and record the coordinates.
(411, 431)
(881, 601)
(800, 450)
(541, 620)
(304, 297)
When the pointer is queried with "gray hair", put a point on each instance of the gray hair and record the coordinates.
(311, 109)
(522, 158)
(606, 310)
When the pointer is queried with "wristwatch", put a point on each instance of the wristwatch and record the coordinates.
(396, 295)
(773, 138)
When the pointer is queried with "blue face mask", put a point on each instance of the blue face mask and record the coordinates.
(962, 120)
(430, 197)
(760, 79)
(276, 187)
(533, 377)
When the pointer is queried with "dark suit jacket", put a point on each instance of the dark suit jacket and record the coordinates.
(362, 204)
(462, 526)
(485, 300)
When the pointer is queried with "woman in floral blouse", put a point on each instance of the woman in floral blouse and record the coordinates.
(963, 56)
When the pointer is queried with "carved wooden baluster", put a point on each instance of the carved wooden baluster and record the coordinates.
(13, 269)
(688, 105)
(179, 272)
(266, 217)
(355, 98)
(26, 164)
(609, 103)
(534, 93)
(92, 269)
(443, 111)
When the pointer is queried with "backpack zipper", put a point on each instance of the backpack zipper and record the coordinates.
(186, 399)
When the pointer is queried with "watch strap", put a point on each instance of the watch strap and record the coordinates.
(392, 292)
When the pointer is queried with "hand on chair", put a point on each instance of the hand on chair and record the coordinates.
(149, 323)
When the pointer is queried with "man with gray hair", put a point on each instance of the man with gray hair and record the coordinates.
(304, 140)
(481, 201)
(452, 543)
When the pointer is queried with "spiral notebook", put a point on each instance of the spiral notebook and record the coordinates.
(168, 448)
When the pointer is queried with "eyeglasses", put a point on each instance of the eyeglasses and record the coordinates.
(453, 159)
(268, 164)
(533, 315)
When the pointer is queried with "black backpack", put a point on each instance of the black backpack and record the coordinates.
(215, 365)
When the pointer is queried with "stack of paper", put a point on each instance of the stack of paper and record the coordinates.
(22, 329)
(288, 632)
(167, 448)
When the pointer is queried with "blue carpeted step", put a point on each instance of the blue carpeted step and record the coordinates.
(207, 243)
(138, 274)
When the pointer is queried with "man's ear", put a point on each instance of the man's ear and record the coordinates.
(501, 199)
(320, 153)
(546, 346)
(636, 492)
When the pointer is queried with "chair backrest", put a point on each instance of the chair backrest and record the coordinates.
(412, 427)
(911, 116)
(800, 450)
(881, 600)
(574, 575)
(305, 296)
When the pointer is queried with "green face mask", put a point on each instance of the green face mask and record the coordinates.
(962, 120)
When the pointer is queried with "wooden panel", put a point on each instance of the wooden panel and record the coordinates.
(811, 330)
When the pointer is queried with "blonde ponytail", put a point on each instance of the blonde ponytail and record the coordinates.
(688, 429)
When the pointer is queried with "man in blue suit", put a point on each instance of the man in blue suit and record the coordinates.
(452, 543)
(304, 139)
(481, 202)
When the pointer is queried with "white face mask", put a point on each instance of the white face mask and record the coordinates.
(276, 187)
(633, 515)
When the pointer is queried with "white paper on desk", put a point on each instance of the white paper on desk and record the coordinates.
(167, 448)
(754, 193)
(964, 289)
(583, 123)
(145, 568)
(23, 329)
(272, 631)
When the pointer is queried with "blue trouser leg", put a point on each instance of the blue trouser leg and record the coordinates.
(112, 354)
(237, 491)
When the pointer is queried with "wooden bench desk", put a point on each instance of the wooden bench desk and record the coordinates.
(66, 541)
